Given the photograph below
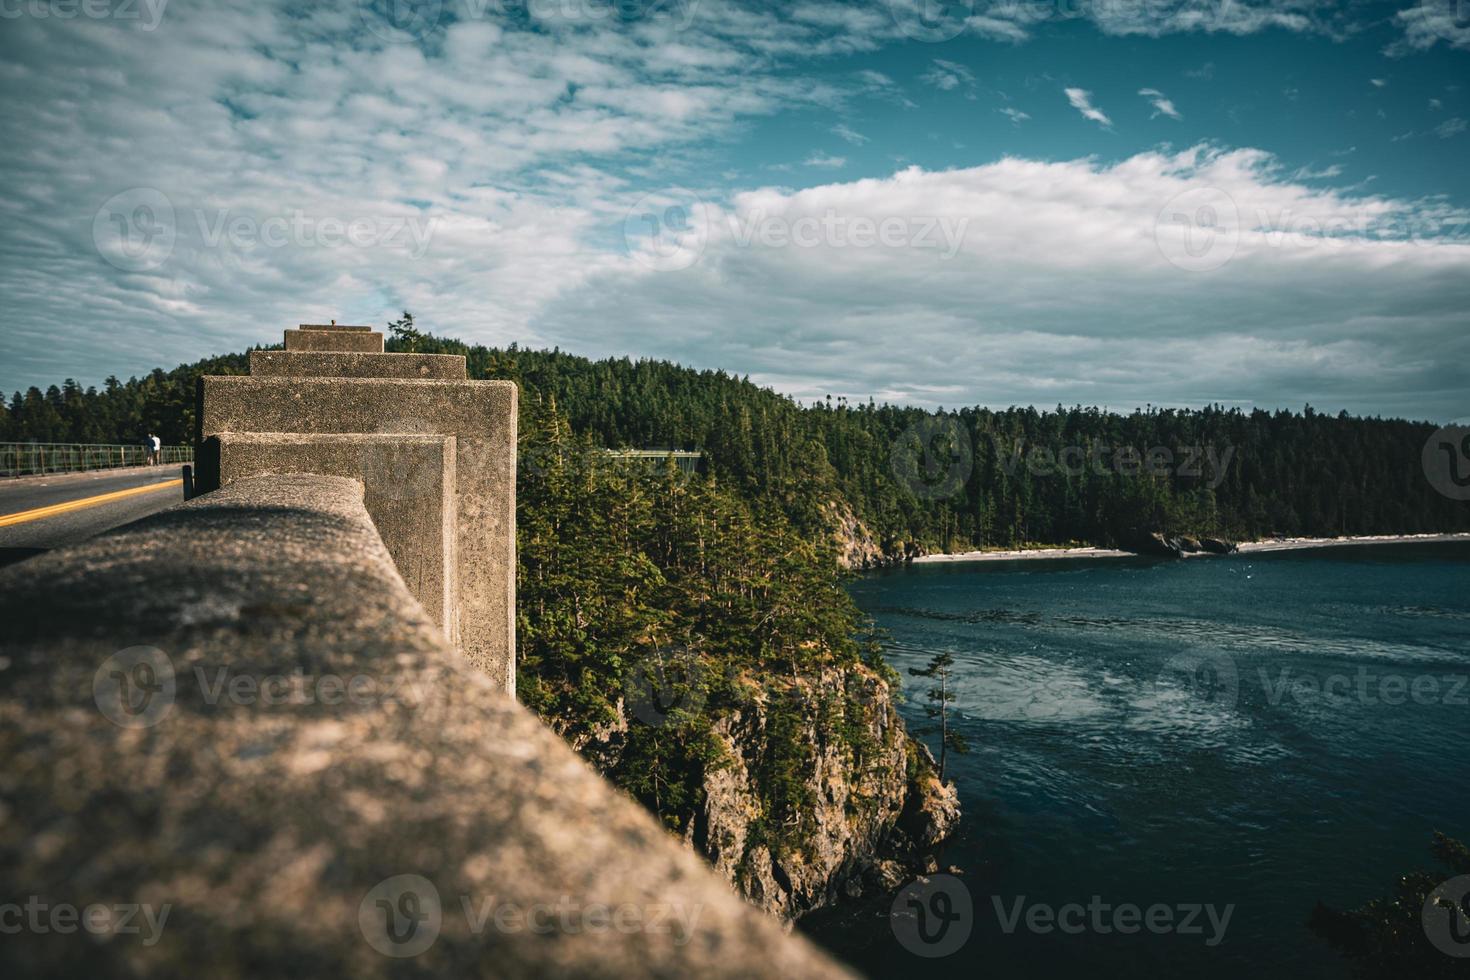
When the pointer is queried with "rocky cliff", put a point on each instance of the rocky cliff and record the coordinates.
(870, 818)
(872, 824)
(857, 549)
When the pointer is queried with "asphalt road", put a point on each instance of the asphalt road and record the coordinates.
(23, 534)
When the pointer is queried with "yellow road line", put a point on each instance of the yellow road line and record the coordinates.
(105, 498)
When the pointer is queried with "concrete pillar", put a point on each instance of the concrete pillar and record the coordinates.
(408, 490)
(296, 413)
(309, 337)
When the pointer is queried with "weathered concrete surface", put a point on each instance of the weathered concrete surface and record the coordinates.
(334, 340)
(269, 828)
(481, 415)
(345, 364)
(408, 485)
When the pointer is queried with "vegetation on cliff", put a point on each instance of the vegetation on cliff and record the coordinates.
(1394, 937)
(652, 604)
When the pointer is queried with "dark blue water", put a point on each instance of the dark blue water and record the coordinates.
(1126, 744)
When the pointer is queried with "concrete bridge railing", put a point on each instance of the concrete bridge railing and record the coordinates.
(237, 743)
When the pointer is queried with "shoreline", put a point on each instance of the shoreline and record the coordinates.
(1244, 548)
(1292, 544)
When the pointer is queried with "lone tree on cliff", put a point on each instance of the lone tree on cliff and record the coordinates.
(408, 336)
(938, 707)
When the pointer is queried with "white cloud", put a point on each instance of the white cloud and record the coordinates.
(1000, 28)
(1427, 24)
(1014, 115)
(880, 86)
(1326, 173)
(849, 134)
(825, 160)
(1449, 128)
(948, 75)
(1153, 19)
(1162, 105)
(1013, 21)
(1081, 100)
(1062, 289)
(525, 156)
(1378, 82)
(265, 115)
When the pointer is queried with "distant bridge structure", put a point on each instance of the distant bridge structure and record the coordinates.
(688, 461)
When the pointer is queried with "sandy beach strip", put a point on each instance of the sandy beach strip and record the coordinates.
(1291, 544)
(1246, 547)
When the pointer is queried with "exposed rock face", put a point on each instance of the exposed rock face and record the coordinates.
(871, 824)
(892, 810)
(1152, 543)
(1164, 546)
(856, 549)
(931, 811)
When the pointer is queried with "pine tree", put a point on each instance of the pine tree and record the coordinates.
(407, 338)
(940, 698)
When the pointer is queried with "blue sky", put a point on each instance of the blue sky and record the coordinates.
(1308, 98)
(1108, 202)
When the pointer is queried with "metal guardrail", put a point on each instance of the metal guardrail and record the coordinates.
(23, 458)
